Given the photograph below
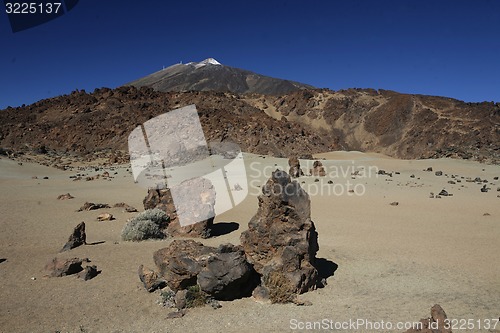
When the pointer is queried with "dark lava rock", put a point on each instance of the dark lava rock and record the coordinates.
(77, 238)
(222, 273)
(92, 206)
(438, 173)
(281, 241)
(88, 273)
(58, 267)
(443, 193)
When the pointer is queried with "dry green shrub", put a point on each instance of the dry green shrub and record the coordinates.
(195, 297)
(146, 225)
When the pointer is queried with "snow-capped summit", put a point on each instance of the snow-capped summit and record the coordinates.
(210, 61)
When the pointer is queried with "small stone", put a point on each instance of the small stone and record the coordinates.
(429, 169)
(443, 193)
(105, 217)
(394, 203)
(438, 173)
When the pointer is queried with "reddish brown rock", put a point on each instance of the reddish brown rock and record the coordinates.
(150, 279)
(58, 267)
(436, 323)
(295, 171)
(77, 238)
(281, 241)
(318, 169)
(178, 263)
(195, 206)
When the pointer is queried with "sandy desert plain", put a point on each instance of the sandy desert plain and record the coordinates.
(393, 262)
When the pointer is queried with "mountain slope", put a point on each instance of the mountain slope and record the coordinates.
(298, 123)
(210, 75)
(399, 125)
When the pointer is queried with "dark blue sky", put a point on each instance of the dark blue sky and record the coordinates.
(447, 48)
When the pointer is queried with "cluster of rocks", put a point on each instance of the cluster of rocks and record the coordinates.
(58, 267)
(275, 262)
(295, 171)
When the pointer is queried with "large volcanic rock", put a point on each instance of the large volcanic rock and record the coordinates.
(295, 171)
(195, 202)
(281, 241)
(223, 272)
(318, 169)
(77, 238)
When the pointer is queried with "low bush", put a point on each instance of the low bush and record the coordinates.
(146, 225)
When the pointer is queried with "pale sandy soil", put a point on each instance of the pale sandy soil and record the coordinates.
(394, 262)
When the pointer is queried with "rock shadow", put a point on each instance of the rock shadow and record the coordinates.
(96, 243)
(2, 260)
(223, 228)
(326, 268)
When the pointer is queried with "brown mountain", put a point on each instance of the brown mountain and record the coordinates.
(210, 75)
(298, 123)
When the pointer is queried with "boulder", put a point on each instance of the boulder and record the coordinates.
(227, 275)
(318, 169)
(222, 273)
(281, 241)
(295, 171)
(58, 267)
(434, 324)
(77, 238)
(193, 213)
(179, 262)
